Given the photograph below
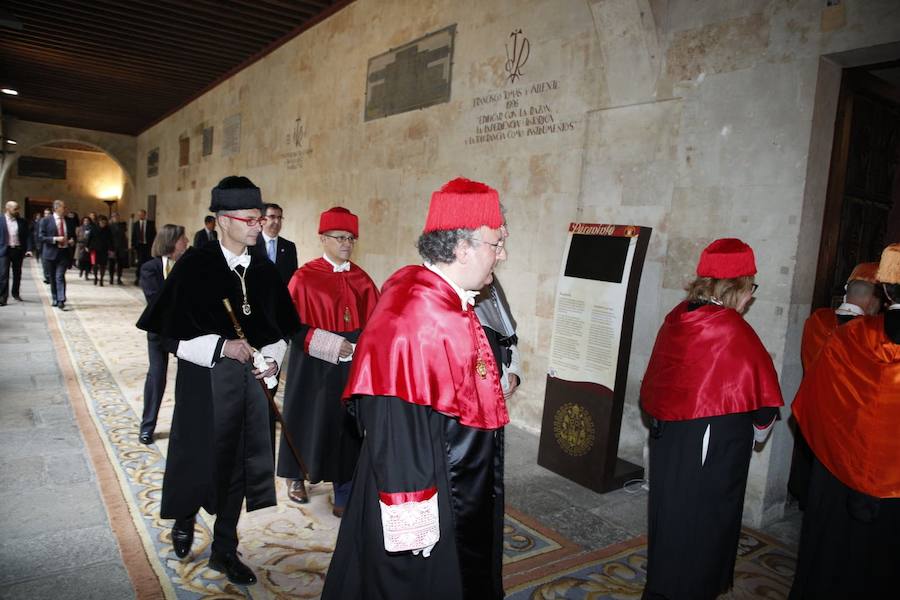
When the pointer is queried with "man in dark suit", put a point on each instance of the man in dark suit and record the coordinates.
(143, 231)
(277, 249)
(207, 234)
(56, 237)
(15, 245)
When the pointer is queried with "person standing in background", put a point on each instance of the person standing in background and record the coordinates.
(169, 245)
(143, 232)
(99, 244)
(118, 259)
(207, 234)
(277, 249)
(15, 245)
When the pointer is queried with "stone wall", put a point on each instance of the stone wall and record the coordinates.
(90, 176)
(691, 117)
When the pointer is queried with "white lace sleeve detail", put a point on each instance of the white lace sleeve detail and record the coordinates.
(325, 345)
(411, 525)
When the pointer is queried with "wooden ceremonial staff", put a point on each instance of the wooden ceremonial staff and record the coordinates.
(240, 332)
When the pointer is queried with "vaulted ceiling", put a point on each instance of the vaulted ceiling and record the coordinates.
(121, 66)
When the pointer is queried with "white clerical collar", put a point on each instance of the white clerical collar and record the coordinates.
(895, 306)
(267, 238)
(338, 268)
(466, 297)
(233, 259)
(846, 309)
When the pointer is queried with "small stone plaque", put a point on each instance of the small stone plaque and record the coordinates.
(412, 76)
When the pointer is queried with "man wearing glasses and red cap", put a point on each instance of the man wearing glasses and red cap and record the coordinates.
(335, 298)
(425, 515)
(219, 448)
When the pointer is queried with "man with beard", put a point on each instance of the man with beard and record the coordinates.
(425, 515)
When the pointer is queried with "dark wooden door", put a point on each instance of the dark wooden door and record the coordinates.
(861, 185)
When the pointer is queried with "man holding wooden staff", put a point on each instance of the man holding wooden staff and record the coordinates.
(219, 449)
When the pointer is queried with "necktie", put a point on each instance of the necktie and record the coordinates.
(343, 267)
(143, 238)
(169, 265)
(271, 250)
(60, 231)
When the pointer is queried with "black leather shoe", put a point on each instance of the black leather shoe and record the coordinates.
(182, 536)
(236, 571)
(55, 303)
(145, 438)
(16, 297)
(61, 306)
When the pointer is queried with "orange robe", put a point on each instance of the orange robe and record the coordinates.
(848, 407)
(818, 328)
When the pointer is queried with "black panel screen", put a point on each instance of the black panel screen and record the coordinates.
(597, 257)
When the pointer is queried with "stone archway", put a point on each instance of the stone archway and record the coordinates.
(120, 149)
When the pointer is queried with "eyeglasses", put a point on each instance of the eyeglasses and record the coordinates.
(498, 247)
(251, 221)
(342, 239)
(753, 288)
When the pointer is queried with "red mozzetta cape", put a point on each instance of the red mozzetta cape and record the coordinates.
(421, 347)
(338, 302)
(705, 363)
(848, 407)
(818, 328)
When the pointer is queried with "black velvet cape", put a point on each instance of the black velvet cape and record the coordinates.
(201, 459)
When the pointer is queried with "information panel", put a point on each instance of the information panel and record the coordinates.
(589, 351)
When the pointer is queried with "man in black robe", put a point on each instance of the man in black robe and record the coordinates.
(219, 449)
(425, 515)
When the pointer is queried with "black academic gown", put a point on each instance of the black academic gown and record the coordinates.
(850, 541)
(466, 466)
(326, 436)
(206, 451)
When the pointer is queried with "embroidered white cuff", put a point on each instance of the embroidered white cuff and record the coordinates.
(198, 350)
(410, 525)
(275, 352)
(325, 345)
(761, 433)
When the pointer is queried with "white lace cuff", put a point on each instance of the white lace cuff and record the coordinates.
(410, 525)
(325, 345)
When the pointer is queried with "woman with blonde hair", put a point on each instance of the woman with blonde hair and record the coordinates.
(710, 390)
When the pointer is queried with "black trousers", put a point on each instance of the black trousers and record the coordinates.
(56, 268)
(155, 383)
(142, 255)
(116, 264)
(13, 259)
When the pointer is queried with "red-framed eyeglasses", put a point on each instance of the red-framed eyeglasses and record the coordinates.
(250, 221)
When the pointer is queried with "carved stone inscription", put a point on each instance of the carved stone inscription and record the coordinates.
(517, 113)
